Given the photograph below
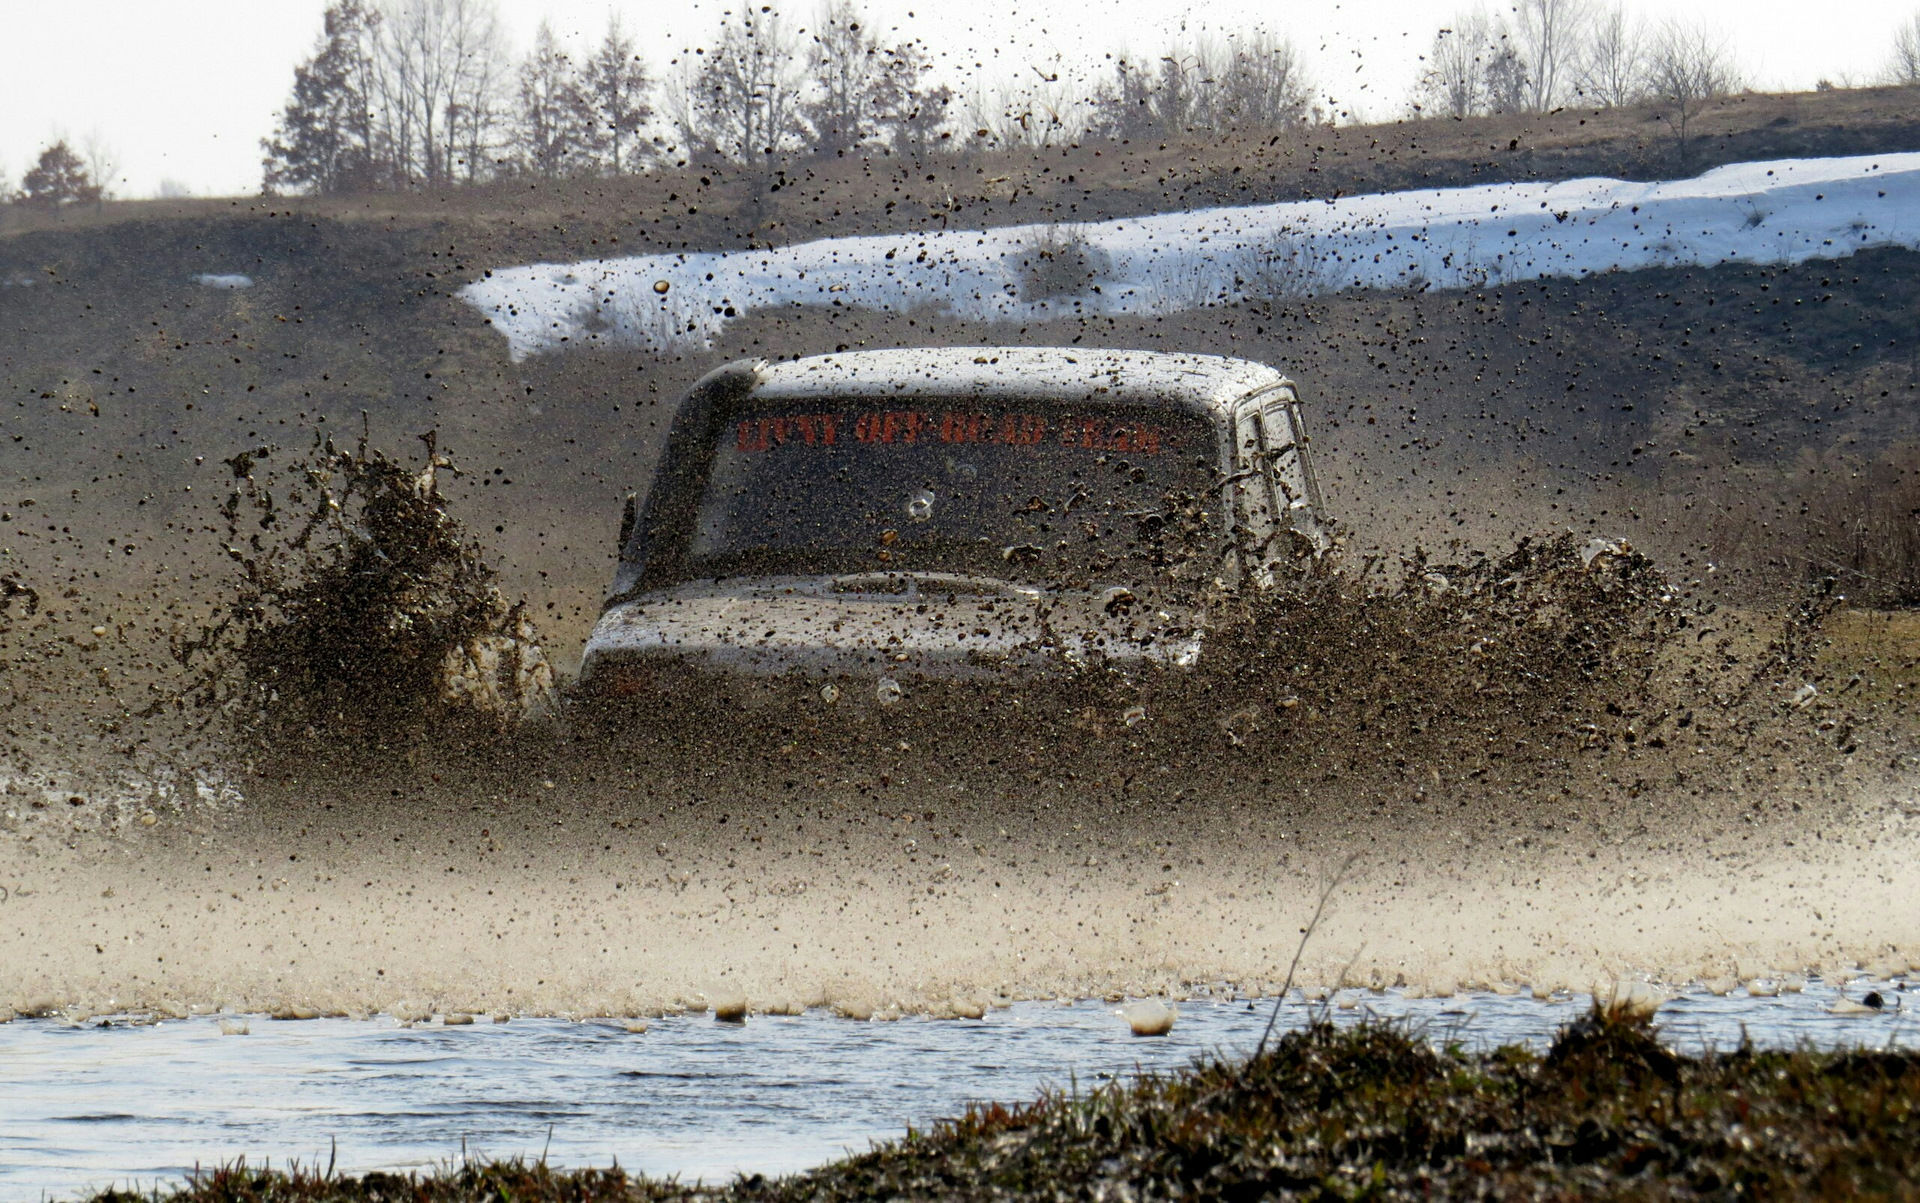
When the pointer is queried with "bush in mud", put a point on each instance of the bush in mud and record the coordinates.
(358, 599)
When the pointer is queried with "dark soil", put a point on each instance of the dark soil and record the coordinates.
(1371, 1111)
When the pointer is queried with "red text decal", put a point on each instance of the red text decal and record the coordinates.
(909, 426)
(812, 430)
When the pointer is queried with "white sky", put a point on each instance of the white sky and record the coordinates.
(185, 91)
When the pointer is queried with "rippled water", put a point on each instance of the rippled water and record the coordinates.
(85, 1106)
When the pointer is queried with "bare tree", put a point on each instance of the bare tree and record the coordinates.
(1124, 104)
(742, 102)
(553, 127)
(677, 105)
(1904, 67)
(1546, 40)
(1186, 73)
(103, 164)
(1613, 71)
(1260, 83)
(845, 63)
(1454, 83)
(864, 93)
(912, 113)
(1688, 66)
(1508, 88)
(617, 87)
(480, 106)
(441, 71)
(1255, 81)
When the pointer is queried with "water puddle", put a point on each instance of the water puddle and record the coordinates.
(87, 1106)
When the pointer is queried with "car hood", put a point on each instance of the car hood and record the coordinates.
(895, 624)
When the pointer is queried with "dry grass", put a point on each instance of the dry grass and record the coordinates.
(1823, 515)
(1864, 524)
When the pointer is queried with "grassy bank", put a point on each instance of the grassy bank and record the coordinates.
(1369, 1111)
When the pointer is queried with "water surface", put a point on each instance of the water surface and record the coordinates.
(87, 1106)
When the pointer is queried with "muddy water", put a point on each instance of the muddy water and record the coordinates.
(90, 1105)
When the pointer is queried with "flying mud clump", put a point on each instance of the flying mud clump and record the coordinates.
(1559, 628)
(360, 605)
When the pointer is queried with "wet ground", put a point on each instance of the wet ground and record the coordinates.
(93, 1104)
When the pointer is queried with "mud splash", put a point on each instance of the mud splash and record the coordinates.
(878, 876)
(1554, 765)
(888, 886)
(357, 600)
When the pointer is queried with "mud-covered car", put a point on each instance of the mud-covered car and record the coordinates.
(876, 528)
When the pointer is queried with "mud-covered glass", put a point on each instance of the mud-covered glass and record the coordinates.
(1027, 491)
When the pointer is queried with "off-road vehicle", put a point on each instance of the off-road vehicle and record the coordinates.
(877, 528)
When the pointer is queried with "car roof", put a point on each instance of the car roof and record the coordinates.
(1210, 382)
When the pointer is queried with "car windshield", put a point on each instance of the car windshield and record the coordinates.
(1027, 491)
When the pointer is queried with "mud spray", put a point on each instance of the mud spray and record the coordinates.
(1554, 766)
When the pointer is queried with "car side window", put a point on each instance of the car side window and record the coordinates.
(1289, 472)
(1253, 497)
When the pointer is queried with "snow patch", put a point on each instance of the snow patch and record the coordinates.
(217, 280)
(1783, 211)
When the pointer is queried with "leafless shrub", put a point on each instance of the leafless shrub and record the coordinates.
(1285, 267)
(1688, 66)
(1903, 67)
(1613, 69)
(1047, 110)
(1060, 262)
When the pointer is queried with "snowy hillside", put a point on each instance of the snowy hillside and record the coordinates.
(1777, 212)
